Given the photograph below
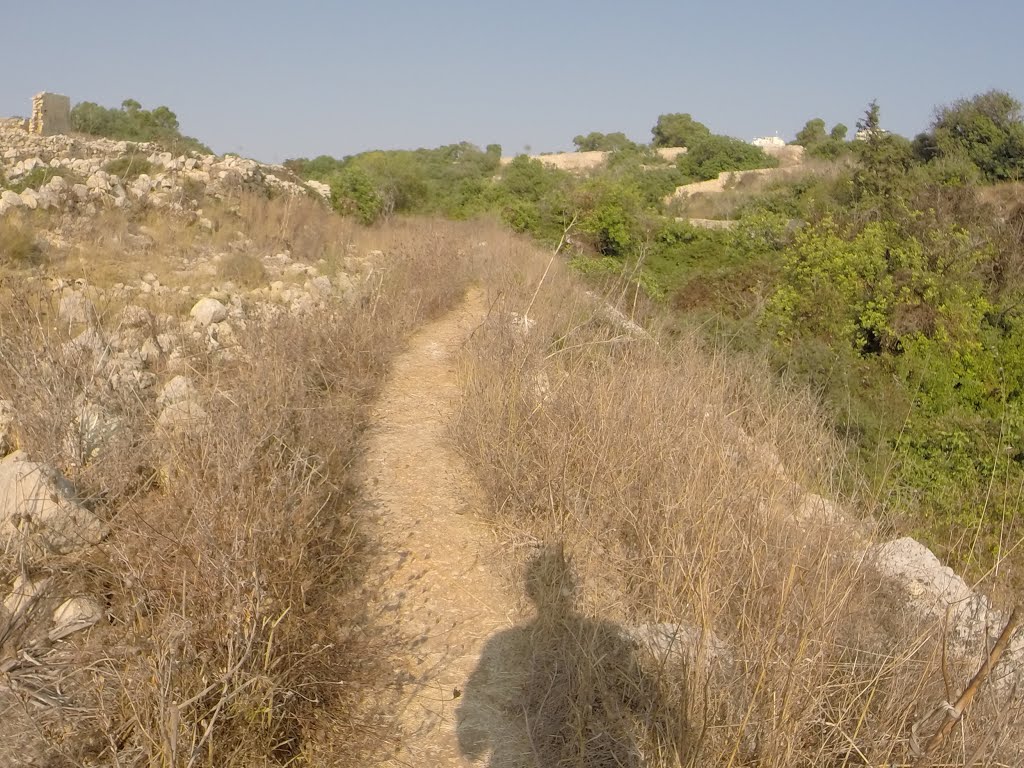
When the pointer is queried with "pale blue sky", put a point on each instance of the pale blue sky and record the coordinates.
(275, 80)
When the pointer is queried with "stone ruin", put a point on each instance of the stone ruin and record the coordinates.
(51, 114)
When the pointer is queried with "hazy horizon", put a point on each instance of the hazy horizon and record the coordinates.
(276, 83)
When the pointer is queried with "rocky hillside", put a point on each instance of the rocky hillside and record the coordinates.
(84, 175)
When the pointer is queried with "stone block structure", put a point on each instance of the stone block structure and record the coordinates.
(51, 114)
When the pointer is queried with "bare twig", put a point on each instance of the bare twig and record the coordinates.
(956, 711)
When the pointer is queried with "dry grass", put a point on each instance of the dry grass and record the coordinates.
(675, 479)
(18, 246)
(234, 576)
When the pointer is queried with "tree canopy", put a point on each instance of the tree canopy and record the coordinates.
(678, 129)
(987, 129)
(133, 123)
(818, 143)
(604, 142)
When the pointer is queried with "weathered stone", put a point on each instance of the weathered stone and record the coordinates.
(818, 509)
(208, 311)
(24, 592)
(181, 415)
(74, 615)
(30, 198)
(934, 592)
(324, 190)
(98, 180)
(174, 391)
(75, 308)
(149, 352)
(87, 341)
(321, 286)
(39, 515)
(12, 198)
(134, 316)
(345, 284)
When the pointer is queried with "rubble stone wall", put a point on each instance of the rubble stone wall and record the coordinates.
(51, 114)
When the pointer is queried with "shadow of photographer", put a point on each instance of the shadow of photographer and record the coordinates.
(566, 690)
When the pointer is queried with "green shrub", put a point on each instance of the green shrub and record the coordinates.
(129, 167)
(612, 214)
(37, 177)
(713, 155)
(353, 193)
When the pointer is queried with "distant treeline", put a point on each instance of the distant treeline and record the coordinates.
(133, 123)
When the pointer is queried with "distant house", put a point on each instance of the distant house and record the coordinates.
(765, 142)
(863, 134)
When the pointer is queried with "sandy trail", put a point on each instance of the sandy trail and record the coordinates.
(441, 589)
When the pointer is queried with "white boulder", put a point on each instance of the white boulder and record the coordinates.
(207, 311)
(38, 512)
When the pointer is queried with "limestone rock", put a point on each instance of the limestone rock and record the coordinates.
(685, 642)
(24, 592)
(934, 592)
(98, 180)
(12, 198)
(174, 391)
(321, 286)
(324, 190)
(181, 416)
(74, 308)
(38, 512)
(30, 199)
(74, 615)
(134, 316)
(208, 311)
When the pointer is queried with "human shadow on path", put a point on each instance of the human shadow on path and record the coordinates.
(565, 690)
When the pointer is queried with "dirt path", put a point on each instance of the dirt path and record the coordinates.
(441, 589)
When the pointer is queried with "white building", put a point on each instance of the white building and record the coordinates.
(864, 134)
(768, 141)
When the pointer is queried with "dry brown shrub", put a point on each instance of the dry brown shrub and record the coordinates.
(19, 248)
(676, 479)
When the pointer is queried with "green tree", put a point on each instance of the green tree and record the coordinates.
(818, 143)
(812, 133)
(988, 129)
(602, 142)
(133, 123)
(884, 158)
(678, 129)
